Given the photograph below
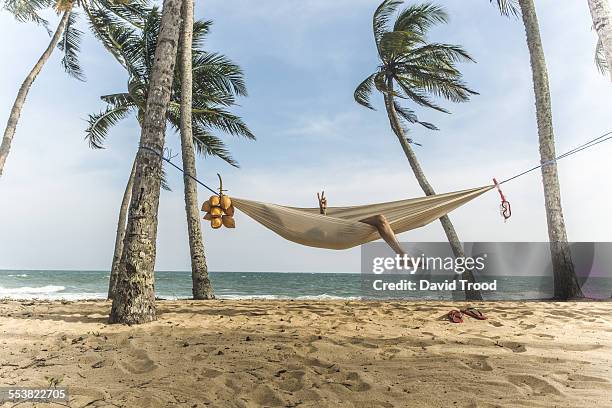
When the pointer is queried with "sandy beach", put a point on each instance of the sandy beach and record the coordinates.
(313, 354)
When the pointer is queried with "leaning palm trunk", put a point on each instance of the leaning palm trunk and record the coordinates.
(202, 288)
(120, 236)
(11, 125)
(565, 282)
(449, 229)
(602, 22)
(134, 300)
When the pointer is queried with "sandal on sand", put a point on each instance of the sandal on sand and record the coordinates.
(475, 313)
(455, 316)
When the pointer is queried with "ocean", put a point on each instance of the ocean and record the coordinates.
(74, 285)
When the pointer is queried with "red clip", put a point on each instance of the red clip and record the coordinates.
(505, 208)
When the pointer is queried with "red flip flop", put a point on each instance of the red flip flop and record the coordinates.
(475, 313)
(455, 316)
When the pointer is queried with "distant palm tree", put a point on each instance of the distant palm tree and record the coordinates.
(216, 81)
(414, 69)
(201, 287)
(566, 284)
(101, 14)
(602, 22)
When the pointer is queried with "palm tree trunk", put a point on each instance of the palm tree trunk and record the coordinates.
(602, 22)
(447, 225)
(120, 236)
(566, 284)
(201, 288)
(134, 301)
(11, 125)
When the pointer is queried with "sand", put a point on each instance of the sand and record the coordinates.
(313, 354)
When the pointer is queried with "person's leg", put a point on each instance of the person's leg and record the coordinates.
(385, 231)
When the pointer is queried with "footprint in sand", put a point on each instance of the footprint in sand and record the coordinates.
(137, 362)
(265, 396)
(291, 380)
(478, 363)
(536, 385)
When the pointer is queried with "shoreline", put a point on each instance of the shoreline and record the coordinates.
(252, 353)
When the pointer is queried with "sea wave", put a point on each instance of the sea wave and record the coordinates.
(28, 290)
(21, 275)
(50, 292)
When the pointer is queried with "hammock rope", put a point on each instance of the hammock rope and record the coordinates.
(591, 143)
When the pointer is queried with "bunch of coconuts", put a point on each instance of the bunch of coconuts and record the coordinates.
(219, 211)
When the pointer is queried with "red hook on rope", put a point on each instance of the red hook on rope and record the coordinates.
(504, 209)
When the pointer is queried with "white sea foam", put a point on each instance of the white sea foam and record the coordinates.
(21, 275)
(50, 292)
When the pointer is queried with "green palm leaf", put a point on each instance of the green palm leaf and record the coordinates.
(70, 46)
(217, 81)
(100, 123)
(419, 18)
(28, 10)
(380, 21)
(364, 91)
(508, 7)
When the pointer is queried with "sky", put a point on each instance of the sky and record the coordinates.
(59, 199)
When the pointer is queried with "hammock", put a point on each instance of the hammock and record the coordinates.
(341, 228)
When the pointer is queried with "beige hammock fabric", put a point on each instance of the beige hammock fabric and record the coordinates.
(341, 227)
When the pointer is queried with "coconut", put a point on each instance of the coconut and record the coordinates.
(214, 201)
(229, 211)
(216, 223)
(226, 202)
(206, 206)
(208, 216)
(228, 221)
(216, 211)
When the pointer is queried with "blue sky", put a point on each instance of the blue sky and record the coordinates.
(302, 61)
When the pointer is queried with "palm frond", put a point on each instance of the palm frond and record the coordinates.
(411, 117)
(382, 15)
(441, 54)
(164, 179)
(508, 8)
(210, 145)
(420, 97)
(70, 46)
(118, 38)
(600, 58)
(132, 12)
(220, 119)
(118, 100)
(419, 18)
(363, 92)
(100, 123)
(394, 44)
(218, 72)
(28, 10)
(201, 29)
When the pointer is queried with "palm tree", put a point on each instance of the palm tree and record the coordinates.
(566, 284)
(201, 287)
(134, 301)
(216, 82)
(66, 37)
(602, 22)
(411, 68)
